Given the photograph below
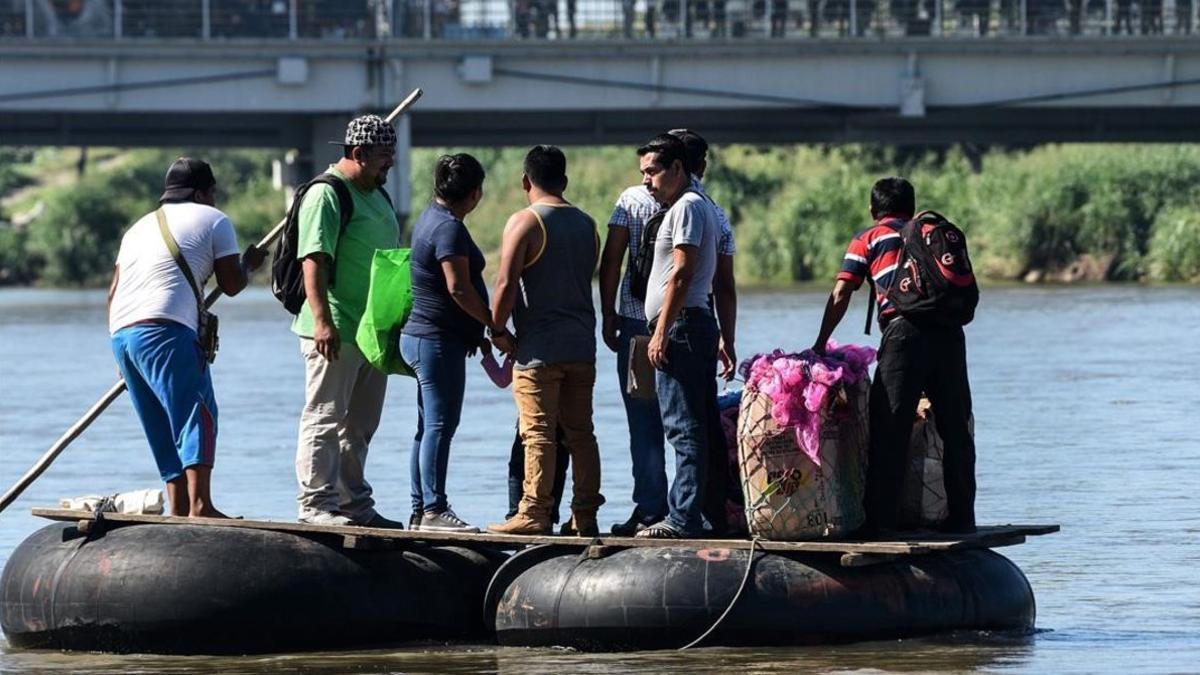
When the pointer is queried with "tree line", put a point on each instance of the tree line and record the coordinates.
(1050, 213)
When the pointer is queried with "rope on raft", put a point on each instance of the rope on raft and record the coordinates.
(741, 587)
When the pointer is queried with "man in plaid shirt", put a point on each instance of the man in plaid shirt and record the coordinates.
(622, 322)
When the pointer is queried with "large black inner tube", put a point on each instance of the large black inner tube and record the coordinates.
(211, 590)
(658, 598)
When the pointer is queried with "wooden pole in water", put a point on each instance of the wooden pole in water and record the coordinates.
(100, 406)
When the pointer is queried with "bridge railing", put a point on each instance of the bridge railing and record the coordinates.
(588, 19)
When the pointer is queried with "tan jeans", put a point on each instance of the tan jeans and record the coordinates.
(550, 397)
(343, 401)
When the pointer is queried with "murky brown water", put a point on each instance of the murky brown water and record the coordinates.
(1085, 414)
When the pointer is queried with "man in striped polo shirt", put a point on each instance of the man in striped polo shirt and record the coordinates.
(914, 358)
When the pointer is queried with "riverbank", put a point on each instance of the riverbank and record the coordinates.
(1062, 213)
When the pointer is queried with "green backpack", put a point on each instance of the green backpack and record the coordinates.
(389, 302)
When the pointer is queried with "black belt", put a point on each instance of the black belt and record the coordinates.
(685, 313)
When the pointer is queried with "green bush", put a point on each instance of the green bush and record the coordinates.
(11, 176)
(17, 266)
(1174, 253)
(78, 234)
(254, 208)
(794, 208)
(1059, 202)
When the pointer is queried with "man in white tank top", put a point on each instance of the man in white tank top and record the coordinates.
(152, 317)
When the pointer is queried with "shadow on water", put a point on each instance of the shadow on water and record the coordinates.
(953, 652)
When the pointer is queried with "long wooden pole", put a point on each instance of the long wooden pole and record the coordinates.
(100, 406)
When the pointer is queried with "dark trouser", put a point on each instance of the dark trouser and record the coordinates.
(516, 475)
(720, 485)
(685, 397)
(913, 360)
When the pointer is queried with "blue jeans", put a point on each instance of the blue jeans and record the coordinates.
(171, 390)
(684, 387)
(441, 368)
(646, 447)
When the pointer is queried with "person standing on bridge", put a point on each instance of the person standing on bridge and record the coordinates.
(548, 254)
(343, 393)
(165, 260)
(916, 354)
(623, 321)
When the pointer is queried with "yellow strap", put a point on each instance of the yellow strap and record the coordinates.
(173, 248)
(545, 238)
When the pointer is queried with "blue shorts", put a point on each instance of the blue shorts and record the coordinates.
(171, 390)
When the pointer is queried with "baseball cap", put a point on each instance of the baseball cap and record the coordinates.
(186, 175)
(368, 130)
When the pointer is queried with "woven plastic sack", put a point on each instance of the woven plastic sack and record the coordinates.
(389, 302)
(923, 495)
(790, 497)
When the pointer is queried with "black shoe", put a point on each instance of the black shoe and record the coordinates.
(588, 530)
(717, 530)
(381, 522)
(955, 528)
(632, 526)
(414, 521)
(873, 533)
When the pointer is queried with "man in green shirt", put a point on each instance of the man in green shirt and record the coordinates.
(343, 392)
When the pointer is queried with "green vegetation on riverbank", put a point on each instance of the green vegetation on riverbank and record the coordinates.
(1069, 212)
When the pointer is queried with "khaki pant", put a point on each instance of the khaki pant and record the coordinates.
(554, 397)
(343, 400)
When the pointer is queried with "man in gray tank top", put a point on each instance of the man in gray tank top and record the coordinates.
(547, 257)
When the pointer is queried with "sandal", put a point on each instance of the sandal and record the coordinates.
(660, 530)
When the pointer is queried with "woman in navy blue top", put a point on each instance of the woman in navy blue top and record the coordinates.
(450, 312)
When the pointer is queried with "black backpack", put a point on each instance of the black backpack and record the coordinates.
(287, 273)
(934, 282)
(641, 258)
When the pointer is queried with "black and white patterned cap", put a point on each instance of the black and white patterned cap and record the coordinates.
(369, 130)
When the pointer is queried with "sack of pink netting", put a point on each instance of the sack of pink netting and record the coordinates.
(802, 442)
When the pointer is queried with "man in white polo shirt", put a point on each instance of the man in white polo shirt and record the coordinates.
(153, 313)
(683, 331)
(624, 317)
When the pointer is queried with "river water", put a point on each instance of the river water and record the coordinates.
(1084, 398)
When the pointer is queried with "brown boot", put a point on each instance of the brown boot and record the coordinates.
(580, 526)
(522, 524)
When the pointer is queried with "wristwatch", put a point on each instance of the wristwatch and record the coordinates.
(497, 333)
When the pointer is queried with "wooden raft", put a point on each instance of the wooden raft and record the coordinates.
(853, 552)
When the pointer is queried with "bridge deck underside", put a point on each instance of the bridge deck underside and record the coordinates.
(1019, 125)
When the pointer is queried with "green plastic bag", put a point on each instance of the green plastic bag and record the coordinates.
(389, 302)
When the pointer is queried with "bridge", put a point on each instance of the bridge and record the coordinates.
(288, 73)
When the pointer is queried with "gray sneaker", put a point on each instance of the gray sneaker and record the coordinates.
(325, 518)
(446, 521)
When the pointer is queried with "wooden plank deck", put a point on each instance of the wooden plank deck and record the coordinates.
(855, 552)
